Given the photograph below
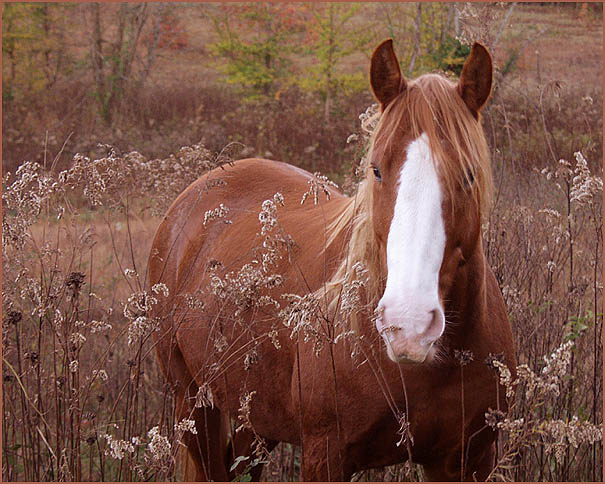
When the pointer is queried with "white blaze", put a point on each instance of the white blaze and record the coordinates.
(411, 310)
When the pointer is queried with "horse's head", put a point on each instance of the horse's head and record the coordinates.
(430, 167)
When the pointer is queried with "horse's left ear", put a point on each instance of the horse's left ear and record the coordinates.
(475, 83)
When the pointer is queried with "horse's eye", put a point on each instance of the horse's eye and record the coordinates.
(469, 179)
(377, 173)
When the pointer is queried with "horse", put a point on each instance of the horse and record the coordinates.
(356, 327)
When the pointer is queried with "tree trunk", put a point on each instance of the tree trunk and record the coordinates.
(97, 61)
(503, 25)
(329, 67)
(417, 37)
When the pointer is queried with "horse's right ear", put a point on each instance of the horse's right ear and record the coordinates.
(475, 83)
(385, 75)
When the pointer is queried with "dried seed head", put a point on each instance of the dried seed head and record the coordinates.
(74, 281)
(13, 317)
(491, 359)
(494, 417)
(464, 357)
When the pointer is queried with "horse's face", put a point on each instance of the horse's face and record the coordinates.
(424, 230)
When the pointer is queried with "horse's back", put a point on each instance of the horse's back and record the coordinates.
(224, 202)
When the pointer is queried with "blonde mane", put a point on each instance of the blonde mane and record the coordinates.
(432, 106)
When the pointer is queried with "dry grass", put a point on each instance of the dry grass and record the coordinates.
(83, 397)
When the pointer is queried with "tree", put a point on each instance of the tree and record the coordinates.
(118, 63)
(331, 38)
(254, 43)
(33, 47)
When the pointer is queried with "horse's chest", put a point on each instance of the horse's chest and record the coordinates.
(377, 416)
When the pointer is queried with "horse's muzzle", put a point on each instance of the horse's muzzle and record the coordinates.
(412, 343)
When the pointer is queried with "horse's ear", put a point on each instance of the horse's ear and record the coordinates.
(385, 75)
(475, 83)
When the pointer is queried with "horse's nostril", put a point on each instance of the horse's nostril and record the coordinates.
(436, 326)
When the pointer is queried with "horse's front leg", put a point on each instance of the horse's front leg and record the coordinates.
(479, 464)
(324, 459)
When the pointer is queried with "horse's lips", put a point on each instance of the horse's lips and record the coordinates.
(405, 357)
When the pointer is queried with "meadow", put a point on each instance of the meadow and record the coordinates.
(108, 118)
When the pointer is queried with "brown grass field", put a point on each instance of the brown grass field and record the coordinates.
(83, 193)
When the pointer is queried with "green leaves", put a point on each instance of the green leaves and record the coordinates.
(577, 325)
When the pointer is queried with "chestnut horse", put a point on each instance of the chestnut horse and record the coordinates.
(355, 327)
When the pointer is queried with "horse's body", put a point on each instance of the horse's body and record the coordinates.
(345, 412)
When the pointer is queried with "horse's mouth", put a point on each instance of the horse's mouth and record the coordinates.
(404, 351)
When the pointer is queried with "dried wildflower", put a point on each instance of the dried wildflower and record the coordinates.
(464, 357)
(494, 417)
(243, 288)
(404, 430)
(301, 317)
(186, 425)
(220, 342)
(553, 373)
(23, 201)
(140, 328)
(194, 301)
(204, 397)
(214, 264)
(552, 214)
(75, 281)
(477, 22)
(268, 214)
(216, 213)
(98, 326)
(584, 186)
(130, 273)
(102, 374)
(319, 183)
(243, 416)
(13, 317)
(512, 426)
(159, 446)
(250, 358)
(505, 377)
(160, 287)
(572, 433)
(369, 119)
(491, 359)
(273, 335)
(77, 339)
(138, 304)
(352, 290)
(117, 448)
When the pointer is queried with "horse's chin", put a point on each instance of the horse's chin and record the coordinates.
(421, 357)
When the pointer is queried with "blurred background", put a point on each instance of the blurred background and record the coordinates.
(286, 80)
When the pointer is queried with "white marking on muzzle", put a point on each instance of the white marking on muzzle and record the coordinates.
(410, 316)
